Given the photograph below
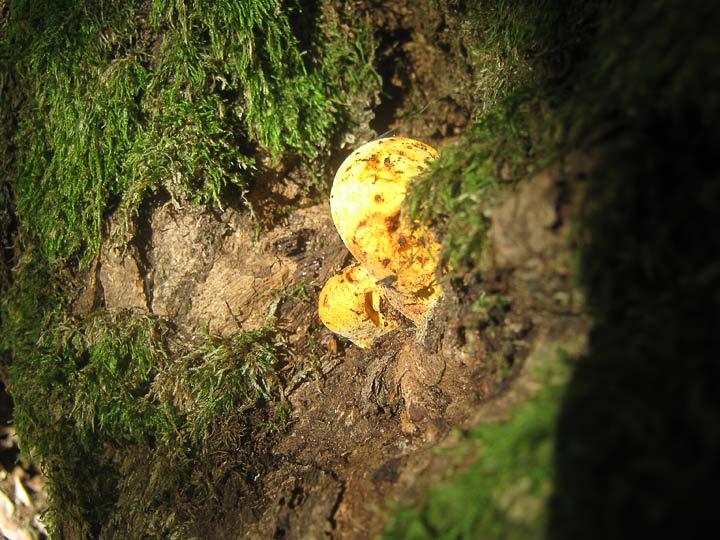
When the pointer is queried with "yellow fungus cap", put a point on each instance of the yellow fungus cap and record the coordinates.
(365, 203)
(352, 305)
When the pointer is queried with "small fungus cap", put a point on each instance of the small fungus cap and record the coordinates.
(352, 305)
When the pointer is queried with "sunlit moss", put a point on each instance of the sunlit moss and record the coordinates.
(120, 99)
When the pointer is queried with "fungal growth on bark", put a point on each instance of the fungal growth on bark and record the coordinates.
(399, 258)
(352, 305)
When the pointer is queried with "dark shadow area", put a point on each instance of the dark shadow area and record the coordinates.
(8, 448)
(303, 17)
(638, 449)
(639, 437)
(392, 68)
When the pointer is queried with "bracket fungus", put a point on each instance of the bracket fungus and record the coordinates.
(399, 258)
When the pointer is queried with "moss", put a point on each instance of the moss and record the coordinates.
(514, 44)
(504, 492)
(82, 388)
(28, 304)
(103, 104)
(503, 147)
(7, 226)
(117, 100)
(222, 377)
(94, 395)
(76, 117)
(7, 165)
(523, 57)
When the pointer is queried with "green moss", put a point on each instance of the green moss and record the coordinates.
(36, 294)
(120, 99)
(503, 147)
(513, 44)
(6, 233)
(523, 58)
(223, 377)
(103, 104)
(92, 392)
(504, 493)
(76, 119)
(7, 165)
(81, 391)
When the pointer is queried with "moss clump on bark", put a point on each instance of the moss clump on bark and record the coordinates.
(118, 99)
(99, 398)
